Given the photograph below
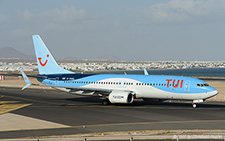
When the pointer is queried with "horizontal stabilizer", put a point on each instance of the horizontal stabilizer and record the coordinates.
(25, 87)
(25, 79)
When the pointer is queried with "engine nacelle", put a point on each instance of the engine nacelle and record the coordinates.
(121, 97)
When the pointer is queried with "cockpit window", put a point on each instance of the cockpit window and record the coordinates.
(202, 85)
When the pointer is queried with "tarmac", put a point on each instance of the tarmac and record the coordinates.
(47, 114)
(44, 114)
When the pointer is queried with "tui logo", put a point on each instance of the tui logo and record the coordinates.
(39, 58)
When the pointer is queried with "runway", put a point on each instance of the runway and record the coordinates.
(37, 112)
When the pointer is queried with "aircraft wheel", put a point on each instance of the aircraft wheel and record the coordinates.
(105, 102)
(194, 105)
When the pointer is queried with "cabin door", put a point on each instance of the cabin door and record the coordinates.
(187, 85)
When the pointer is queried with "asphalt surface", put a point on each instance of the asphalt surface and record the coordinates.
(87, 115)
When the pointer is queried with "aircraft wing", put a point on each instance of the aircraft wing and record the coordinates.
(29, 75)
(68, 88)
(71, 89)
(85, 90)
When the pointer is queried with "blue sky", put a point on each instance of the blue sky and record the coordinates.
(137, 30)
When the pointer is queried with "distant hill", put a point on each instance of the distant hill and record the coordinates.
(11, 53)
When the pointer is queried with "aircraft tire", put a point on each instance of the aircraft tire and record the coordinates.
(105, 102)
(194, 105)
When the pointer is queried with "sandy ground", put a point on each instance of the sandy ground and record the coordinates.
(19, 82)
(9, 122)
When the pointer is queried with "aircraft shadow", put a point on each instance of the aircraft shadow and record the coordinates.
(97, 101)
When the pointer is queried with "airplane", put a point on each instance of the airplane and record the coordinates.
(116, 88)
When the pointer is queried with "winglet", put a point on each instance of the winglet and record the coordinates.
(145, 71)
(25, 79)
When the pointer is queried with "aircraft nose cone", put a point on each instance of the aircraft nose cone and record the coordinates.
(216, 92)
(212, 91)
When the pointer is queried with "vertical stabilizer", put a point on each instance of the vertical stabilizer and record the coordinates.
(46, 62)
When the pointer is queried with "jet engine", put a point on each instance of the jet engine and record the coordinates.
(121, 97)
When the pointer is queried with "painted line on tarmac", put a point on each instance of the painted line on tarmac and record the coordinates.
(157, 122)
(8, 106)
(38, 101)
(46, 102)
(5, 108)
(8, 102)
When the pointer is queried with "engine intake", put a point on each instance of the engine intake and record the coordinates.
(121, 97)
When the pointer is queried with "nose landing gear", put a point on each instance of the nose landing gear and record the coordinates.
(194, 104)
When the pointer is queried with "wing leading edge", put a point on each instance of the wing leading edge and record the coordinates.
(67, 88)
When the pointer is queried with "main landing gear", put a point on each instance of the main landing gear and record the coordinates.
(106, 102)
